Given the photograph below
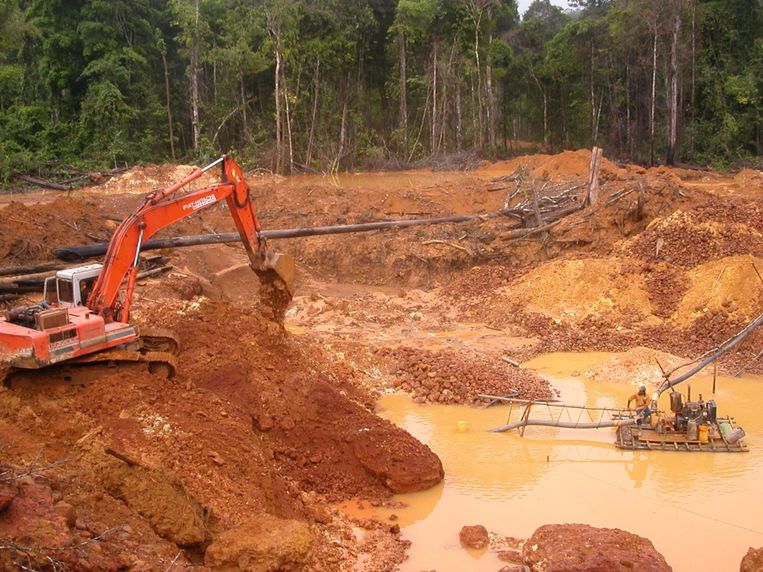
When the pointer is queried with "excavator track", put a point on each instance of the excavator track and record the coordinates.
(163, 364)
(159, 340)
(79, 370)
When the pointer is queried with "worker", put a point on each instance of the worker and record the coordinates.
(640, 398)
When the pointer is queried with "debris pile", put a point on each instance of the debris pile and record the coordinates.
(686, 238)
(456, 377)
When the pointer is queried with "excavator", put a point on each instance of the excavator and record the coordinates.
(85, 314)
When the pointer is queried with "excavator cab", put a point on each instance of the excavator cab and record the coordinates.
(71, 287)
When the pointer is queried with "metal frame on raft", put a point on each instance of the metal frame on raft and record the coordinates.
(652, 430)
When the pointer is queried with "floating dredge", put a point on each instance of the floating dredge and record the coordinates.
(689, 426)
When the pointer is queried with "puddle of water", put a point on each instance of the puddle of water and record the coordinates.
(682, 502)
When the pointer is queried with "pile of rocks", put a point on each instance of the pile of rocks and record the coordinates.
(457, 377)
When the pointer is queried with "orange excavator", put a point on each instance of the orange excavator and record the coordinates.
(86, 310)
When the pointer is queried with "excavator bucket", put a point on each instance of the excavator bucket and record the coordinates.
(282, 266)
(276, 272)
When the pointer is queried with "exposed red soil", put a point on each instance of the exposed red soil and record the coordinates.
(262, 427)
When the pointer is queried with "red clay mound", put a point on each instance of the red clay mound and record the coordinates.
(304, 409)
(30, 234)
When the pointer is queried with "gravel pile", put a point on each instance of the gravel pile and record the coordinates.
(703, 233)
(456, 377)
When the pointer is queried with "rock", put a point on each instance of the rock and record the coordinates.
(474, 536)
(583, 548)
(160, 498)
(7, 494)
(510, 555)
(408, 467)
(752, 561)
(67, 511)
(262, 544)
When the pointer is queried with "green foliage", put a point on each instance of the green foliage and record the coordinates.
(84, 81)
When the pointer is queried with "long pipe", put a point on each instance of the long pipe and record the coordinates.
(91, 250)
(563, 424)
(725, 347)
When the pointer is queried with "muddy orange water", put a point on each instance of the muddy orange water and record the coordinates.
(701, 510)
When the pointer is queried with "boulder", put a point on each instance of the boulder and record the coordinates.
(474, 536)
(262, 544)
(752, 561)
(583, 548)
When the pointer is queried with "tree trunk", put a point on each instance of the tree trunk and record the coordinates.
(245, 130)
(459, 124)
(317, 83)
(629, 150)
(693, 71)
(288, 120)
(195, 83)
(490, 99)
(433, 141)
(654, 93)
(673, 99)
(169, 107)
(342, 137)
(480, 128)
(593, 102)
(403, 94)
(279, 134)
(545, 108)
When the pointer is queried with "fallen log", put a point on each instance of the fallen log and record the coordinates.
(42, 183)
(153, 272)
(26, 278)
(30, 269)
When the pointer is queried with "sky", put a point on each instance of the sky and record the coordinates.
(524, 4)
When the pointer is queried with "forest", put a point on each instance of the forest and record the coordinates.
(329, 85)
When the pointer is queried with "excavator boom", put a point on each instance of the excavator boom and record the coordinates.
(162, 208)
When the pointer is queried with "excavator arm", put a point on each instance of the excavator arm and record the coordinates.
(160, 209)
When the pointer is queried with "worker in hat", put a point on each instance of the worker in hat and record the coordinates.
(640, 398)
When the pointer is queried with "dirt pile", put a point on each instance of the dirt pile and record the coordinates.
(733, 285)
(313, 420)
(253, 422)
(142, 179)
(573, 290)
(30, 234)
(686, 238)
(561, 166)
(456, 377)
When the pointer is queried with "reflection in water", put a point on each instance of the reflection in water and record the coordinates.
(513, 484)
(637, 468)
